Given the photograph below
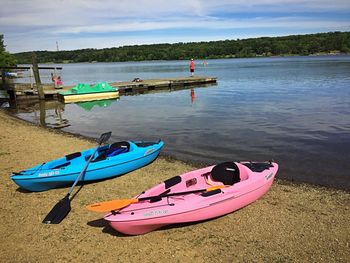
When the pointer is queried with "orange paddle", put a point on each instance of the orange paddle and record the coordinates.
(108, 206)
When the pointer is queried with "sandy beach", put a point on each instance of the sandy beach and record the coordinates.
(291, 223)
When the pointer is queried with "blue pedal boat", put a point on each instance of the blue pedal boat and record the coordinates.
(109, 161)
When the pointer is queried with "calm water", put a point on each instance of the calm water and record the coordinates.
(293, 110)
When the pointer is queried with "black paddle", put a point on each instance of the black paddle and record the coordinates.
(62, 208)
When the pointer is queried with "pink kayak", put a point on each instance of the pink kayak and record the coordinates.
(195, 196)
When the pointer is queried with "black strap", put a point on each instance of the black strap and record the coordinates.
(159, 197)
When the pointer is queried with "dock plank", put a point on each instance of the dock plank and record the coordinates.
(130, 86)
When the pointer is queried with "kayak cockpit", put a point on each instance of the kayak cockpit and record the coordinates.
(226, 173)
(111, 150)
(230, 173)
(117, 148)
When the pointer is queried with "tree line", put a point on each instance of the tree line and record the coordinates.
(322, 43)
(6, 59)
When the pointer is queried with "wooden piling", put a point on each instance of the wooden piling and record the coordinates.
(37, 77)
(3, 77)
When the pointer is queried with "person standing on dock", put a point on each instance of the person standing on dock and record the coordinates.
(192, 67)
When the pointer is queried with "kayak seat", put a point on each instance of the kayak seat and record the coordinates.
(118, 148)
(114, 149)
(227, 173)
(117, 151)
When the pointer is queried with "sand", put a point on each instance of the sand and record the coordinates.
(291, 223)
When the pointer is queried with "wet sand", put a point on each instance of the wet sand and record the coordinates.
(291, 223)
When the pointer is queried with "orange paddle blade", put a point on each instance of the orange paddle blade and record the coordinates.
(108, 206)
(215, 187)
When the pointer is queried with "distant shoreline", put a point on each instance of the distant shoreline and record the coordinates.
(154, 61)
(308, 44)
(199, 59)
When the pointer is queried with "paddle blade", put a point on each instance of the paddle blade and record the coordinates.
(108, 206)
(104, 137)
(58, 212)
(215, 187)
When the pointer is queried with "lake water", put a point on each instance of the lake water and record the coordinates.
(294, 110)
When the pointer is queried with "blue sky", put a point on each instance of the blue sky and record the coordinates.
(30, 25)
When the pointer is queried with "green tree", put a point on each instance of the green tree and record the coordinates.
(6, 59)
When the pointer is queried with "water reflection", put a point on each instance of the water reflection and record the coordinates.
(164, 89)
(193, 97)
(88, 105)
(60, 121)
(50, 114)
(45, 113)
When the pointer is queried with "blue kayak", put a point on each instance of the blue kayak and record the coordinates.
(109, 161)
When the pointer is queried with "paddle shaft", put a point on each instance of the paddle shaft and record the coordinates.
(63, 207)
(83, 171)
(119, 204)
(181, 193)
(104, 137)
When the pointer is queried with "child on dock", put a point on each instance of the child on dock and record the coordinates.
(57, 81)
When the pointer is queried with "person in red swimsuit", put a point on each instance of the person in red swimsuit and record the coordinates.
(192, 67)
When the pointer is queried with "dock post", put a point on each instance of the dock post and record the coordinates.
(3, 77)
(37, 77)
(31, 77)
(42, 107)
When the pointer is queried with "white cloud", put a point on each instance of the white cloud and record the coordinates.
(261, 22)
(23, 22)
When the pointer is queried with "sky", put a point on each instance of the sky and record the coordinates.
(32, 25)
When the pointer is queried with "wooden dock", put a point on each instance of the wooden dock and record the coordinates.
(153, 84)
(27, 91)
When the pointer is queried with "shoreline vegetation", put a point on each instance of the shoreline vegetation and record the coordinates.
(291, 223)
(331, 43)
